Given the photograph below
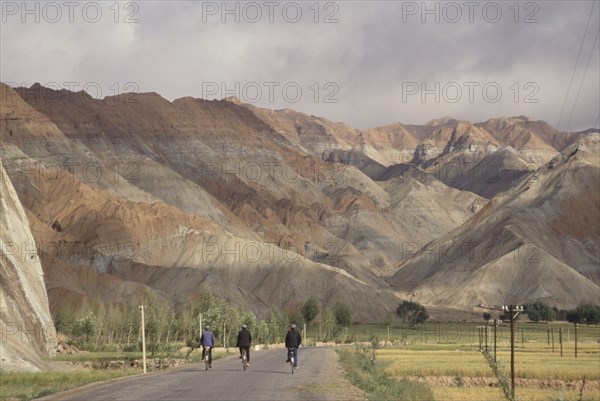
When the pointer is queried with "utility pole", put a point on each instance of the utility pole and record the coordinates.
(514, 312)
(142, 307)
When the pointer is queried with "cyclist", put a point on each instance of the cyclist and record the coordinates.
(207, 340)
(293, 339)
(244, 339)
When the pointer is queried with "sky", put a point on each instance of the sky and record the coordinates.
(366, 63)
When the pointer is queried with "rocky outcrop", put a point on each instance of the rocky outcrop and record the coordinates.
(535, 242)
(25, 324)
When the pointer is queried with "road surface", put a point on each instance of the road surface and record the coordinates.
(268, 378)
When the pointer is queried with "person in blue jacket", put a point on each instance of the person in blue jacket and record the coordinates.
(207, 340)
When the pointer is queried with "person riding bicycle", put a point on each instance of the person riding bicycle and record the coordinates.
(207, 340)
(244, 339)
(293, 339)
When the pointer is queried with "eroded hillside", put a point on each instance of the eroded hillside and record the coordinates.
(135, 193)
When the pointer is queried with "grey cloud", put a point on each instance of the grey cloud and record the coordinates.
(369, 53)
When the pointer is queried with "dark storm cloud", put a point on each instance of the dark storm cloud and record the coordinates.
(361, 67)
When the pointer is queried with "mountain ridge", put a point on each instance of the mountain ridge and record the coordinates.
(195, 186)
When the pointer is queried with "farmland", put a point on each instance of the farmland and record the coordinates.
(448, 357)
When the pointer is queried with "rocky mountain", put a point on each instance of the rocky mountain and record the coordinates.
(134, 193)
(535, 242)
(27, 330)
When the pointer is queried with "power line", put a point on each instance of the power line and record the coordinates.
(583, 79)
(576, 63)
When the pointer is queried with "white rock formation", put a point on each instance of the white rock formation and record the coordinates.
(26, 329)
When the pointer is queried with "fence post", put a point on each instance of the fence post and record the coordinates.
(560, 336)
(575, 340)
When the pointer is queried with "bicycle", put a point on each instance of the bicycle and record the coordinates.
(244, 360)
(207, 358)
(291, 357)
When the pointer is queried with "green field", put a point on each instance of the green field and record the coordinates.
(448, 358)
(27, 386)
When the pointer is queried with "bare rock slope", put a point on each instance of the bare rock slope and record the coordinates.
(134, 194)
(27, 330)
(536, 242)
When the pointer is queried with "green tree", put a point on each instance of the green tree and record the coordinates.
(573, 316)
(310, 310)
(412, 312)
(487, 316)
(589, 314)
(85, 327)
(342, 313)
(539, 311)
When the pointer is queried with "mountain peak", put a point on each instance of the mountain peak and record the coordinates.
(234, 100)
(441, 121)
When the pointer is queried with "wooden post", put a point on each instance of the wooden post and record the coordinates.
(575, 340)
(522, 338)
(495, 329)
(553, 340)
(560, 337)
(513, 312)
(142, 307)
(486, 338)
(200, 324)
(304, 333)
(512, 354)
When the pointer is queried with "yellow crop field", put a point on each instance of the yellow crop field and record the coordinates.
(461, 372)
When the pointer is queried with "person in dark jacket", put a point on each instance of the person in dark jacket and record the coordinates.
(207, 340)
(293, 339)
(244, 339)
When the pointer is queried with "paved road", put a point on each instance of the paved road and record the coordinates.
(268, 378)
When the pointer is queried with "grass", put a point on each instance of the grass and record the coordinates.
(447, 358)
(27, 386)
(449, 371)
(533, 362)
(493, 394)
(376, 383)
(194, 357)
